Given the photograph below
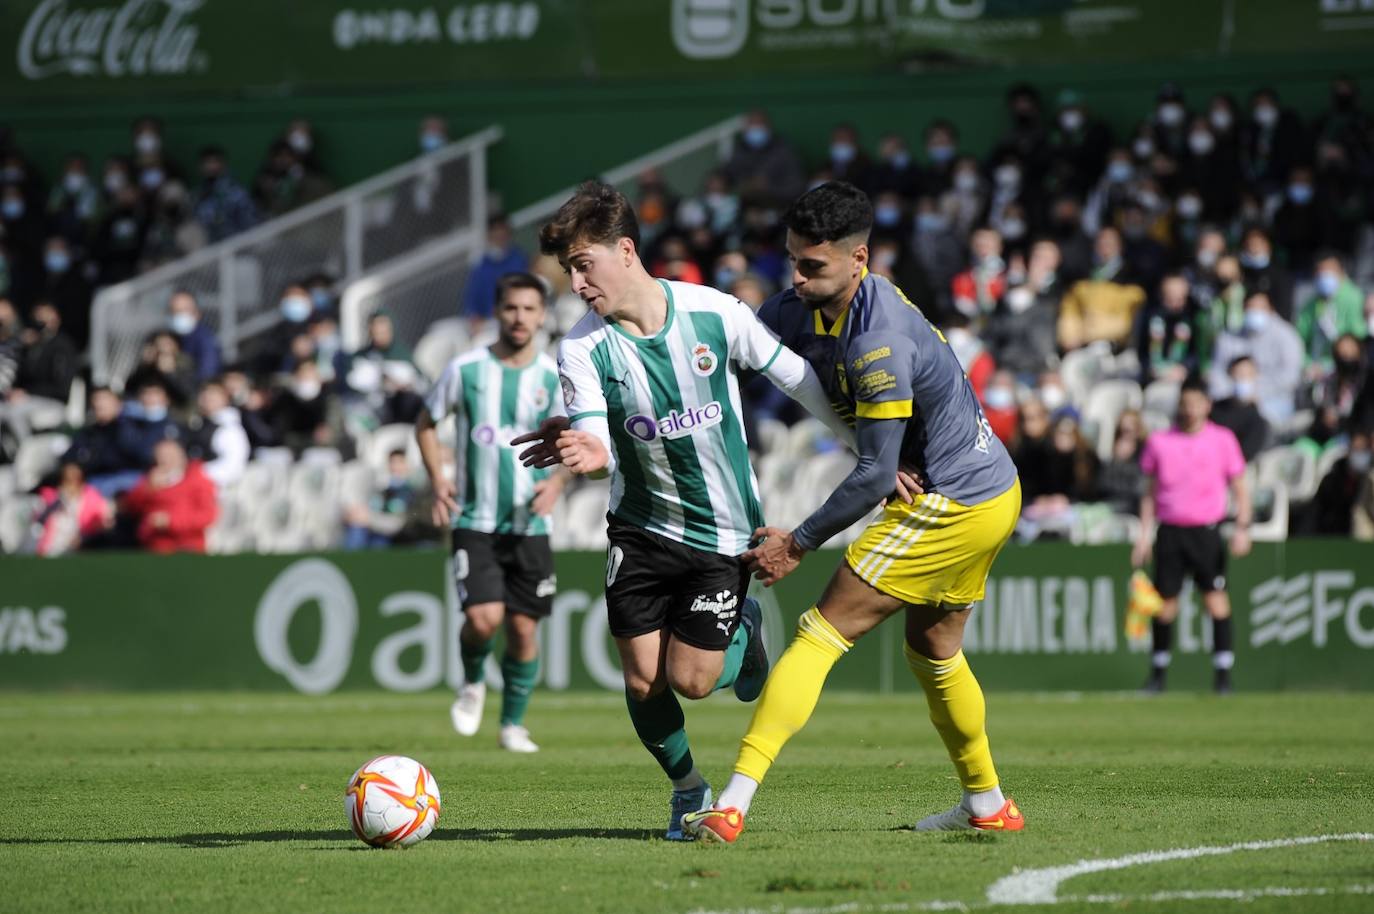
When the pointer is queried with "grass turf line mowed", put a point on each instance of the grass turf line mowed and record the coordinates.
(233, 802)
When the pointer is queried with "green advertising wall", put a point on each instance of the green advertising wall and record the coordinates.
(581, 85)
(1053, 620)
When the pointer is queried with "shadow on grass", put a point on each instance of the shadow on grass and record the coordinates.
(240, 839)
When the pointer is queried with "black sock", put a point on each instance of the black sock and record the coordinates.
(1163, 641)
(1222, 656)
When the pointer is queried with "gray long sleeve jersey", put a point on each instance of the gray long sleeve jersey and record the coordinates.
(892, 374)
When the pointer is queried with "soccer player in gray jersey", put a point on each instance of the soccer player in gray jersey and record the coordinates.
(649, 381)
(499, 509)
(892, 374)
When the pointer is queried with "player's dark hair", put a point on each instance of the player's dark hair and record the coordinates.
(512, 281)
(835, 210)
(1195, 383)
(596, 213)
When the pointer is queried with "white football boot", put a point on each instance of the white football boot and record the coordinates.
(467, 709)
(515, 738)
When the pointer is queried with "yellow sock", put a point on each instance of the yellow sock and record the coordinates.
(789, 697)
(959, 713)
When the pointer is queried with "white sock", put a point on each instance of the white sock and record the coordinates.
(1160, 659)
(689, 781)
(984, 802)
(1223, 660)
(739, 793)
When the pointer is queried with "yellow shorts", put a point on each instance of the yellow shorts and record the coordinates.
(935, 550)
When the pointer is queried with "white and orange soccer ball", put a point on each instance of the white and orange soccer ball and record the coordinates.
(392, 801)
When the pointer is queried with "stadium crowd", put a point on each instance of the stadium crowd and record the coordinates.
(1080, 276)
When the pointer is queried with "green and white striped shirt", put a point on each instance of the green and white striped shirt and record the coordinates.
(672, 405)
(491, 404)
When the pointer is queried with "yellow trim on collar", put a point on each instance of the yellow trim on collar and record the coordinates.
(888, 409)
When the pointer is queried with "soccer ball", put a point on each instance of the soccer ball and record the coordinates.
(392, 801)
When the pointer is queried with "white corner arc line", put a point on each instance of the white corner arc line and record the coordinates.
(1041, 886)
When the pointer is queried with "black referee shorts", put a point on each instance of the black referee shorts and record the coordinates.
(1182, 552)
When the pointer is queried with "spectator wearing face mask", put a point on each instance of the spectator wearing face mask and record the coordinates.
(1022, 329)
(1118, 184)
(1147, 259)
(67, 289)
(1213, 167)
(74, 202)
(896, 170)
(284, 182)
(972, 353)
(174, 504)
(222, 205)
(145, 421)
(941, 142)
(148, 153)
(500, 257)
(1066, 229)
(1223, 310)
(1166, 334)
(1300, 223)
(848, 161)
(1078, 144)
(1344, 503)
(194, 335)
(966, 200)
(1026, 138)
(977, 290)
(1169, 126)
(301, 407)
(999, 405)
(890, 218)
(172, 231)
(1238, 411)
(1276, 349)
(1104, 306)
(1272, 142)
(119, 238)
(938, 251)
(763, 167)
(271, 352)
(253, 401)
(1262, 274)
(1337, 308)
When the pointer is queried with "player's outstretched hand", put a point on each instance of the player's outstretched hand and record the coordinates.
(582, 452)
(445, 503)
(543, 451)
(775, 557)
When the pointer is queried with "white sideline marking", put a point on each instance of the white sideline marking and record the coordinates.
(1041, 886)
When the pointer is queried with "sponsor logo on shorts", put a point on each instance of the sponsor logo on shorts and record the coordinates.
(722, 606)
(675, 424)
(546, 587)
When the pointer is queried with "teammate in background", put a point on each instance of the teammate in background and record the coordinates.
(892, 374)
(1189, 468)
(499, 510)
(649, 381)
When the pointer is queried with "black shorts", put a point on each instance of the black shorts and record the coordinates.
(653, 583)
(1182, 552)
(504, 568)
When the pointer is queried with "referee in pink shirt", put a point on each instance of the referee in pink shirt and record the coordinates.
(1189, 468)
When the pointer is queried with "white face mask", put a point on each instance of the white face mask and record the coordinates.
(306, 389)
(1360, 461)
(1053, 397)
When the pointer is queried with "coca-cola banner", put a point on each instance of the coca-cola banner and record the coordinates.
(143, 48)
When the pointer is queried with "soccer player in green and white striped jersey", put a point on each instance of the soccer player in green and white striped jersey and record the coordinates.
(649, 378)
(498, 508)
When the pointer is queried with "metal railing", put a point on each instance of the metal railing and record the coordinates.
(427, 285)
(238, 281)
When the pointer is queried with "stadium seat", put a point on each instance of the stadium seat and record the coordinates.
(1104, 406)
(1080, 369)
(37, 457)
(1270, 521)
(772, 436)
(16, 516)
(355, 483)
(7, 481)
(443, 340)
(1328, 460)
(388, 438)
(1162, 397)
(1294, 469)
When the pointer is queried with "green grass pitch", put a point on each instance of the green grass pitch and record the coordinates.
(233, 802)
